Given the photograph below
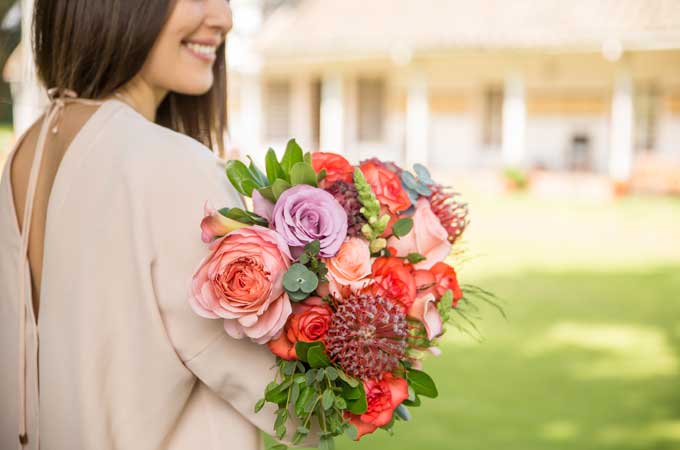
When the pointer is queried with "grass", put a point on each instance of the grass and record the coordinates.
(588, 358)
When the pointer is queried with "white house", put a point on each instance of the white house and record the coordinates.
(582, 85)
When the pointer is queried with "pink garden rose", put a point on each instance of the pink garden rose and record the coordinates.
(427, 237)
(349, 269)
(214, 224)
(424, 309)
(241, 281)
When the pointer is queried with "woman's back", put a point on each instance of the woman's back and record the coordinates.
(123, 361)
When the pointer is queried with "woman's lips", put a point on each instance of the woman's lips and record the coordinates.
(202, 51)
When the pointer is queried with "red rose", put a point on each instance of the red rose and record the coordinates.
(308, 323)
(387, 187)
(393, 279)
(383, 397)
(437, 280)
(337, 167)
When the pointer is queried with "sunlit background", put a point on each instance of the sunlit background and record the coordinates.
(559, 121)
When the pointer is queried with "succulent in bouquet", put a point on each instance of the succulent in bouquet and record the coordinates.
(342, 272)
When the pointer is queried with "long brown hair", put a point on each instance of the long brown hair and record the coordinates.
(95, 47)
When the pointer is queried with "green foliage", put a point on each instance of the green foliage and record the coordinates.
(243, 216)
(402, 227)
(421, 383)
(299, 282)
(311, 389)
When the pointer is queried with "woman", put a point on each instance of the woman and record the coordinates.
(98, 247)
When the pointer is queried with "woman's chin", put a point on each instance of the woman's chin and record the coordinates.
(197, 86)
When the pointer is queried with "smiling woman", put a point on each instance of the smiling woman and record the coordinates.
(100, 202)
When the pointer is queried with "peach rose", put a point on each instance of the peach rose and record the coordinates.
(241, 281)
(383, 397)
(386, 186)
(308, 323)
(349, 269)
(427, 237)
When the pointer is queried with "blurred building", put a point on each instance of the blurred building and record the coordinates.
(587, 85)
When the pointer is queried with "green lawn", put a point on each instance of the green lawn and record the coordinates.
(588, 358)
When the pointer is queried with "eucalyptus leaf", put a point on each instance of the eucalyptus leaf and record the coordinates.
(409, 180)
(302, 348)
(259, 405)
(403, 412)
(327, 399)
(326, 443)
(352, 432)
(423, 173)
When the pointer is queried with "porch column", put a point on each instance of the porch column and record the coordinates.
(514, 122)
(301, 111)
(621, 130)
(332, 115)
(29, 98)
(417, 120)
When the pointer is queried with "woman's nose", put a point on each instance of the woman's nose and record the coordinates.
(218, 16)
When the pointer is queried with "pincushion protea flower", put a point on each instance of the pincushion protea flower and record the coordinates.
(367, 336)
(346, 194)
(452, 214)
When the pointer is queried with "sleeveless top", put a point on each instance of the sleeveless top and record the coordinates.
(124, 362)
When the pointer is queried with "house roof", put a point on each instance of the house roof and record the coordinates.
(375, 27)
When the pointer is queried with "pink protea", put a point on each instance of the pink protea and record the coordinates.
(367, 336)
(452, 214)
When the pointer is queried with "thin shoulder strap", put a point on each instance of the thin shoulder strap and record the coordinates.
(58, 100)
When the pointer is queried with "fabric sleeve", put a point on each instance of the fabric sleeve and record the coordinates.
(237, 370)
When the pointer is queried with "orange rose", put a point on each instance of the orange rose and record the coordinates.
(383, 397)
(337, 167)
(437, 280)
(308, 323)
(386, 186)
(349, 268)
(393, 279)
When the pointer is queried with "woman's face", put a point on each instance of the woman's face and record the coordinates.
(183, 56)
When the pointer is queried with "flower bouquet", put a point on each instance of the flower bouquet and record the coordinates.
(341, 271)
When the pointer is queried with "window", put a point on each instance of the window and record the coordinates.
(492, 125)
(645, 105)
(371, 113)
(277, 111)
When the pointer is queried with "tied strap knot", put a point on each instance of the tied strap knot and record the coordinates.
(58, 98)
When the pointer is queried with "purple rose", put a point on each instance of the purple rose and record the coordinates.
(303, 214)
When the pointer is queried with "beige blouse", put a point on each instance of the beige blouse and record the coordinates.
(124, 362)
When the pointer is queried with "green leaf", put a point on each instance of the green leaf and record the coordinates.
(278, 447)
(297, 297)
(351, 393)
(423, 173)
(326, 443)
(298, 279)
(276, 395)
(240, 177)
(317, 357)
(319, 375)
(302, 348)
(403, 413)
(327, 399)
(307, 158)
(294, 392)
(360, 405)
(313, 248)
(331, 373)
(267, 193)
(259, 405)
(415, 258)
(279, 187)
(280, 431)
(259, 177)
(302, 173)
(414, 403)
(292, 156)
(340, 403)
(352, 382)
(422, 383)
(243, 216)
(321, 175)
(402, 227)
(306, 394)
(409, 180)
(352, 432)
(281, 416)
(272, 166)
